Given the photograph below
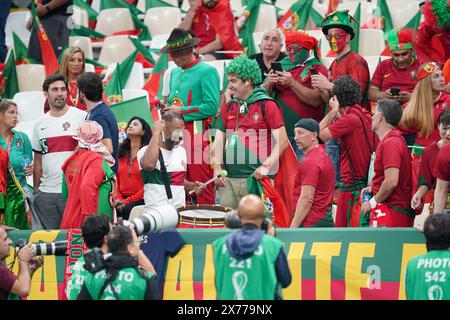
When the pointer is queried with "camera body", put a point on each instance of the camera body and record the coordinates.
(94, 260)
(55, 248)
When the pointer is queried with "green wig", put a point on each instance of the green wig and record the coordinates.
(244, 68)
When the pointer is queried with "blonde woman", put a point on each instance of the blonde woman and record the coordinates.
(72, 65)
(420, 116)
(427, 102)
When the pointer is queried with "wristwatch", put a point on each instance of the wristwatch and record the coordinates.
(47, 8)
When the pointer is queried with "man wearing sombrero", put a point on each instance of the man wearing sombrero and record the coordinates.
(194, 93)
(339, 32)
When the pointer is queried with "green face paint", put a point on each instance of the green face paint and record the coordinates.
(297, 54)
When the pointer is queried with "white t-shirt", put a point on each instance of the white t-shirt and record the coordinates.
(53, 138)
(175, 161)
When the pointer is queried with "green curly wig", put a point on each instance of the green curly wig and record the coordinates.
(244, 68)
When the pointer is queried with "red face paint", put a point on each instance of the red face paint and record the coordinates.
(337, 40)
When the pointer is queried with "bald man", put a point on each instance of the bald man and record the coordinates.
(250, 264)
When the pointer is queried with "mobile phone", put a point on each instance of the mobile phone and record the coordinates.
(276, 66)
(313, 71)
(395, 91)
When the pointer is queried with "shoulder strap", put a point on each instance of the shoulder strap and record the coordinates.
(372, 147)
(165, 176)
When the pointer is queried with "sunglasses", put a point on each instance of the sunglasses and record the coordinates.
(337, 35)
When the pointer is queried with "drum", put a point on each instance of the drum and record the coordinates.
(202, 216)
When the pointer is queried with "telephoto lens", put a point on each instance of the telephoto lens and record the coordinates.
(157, 219)
(55, 248)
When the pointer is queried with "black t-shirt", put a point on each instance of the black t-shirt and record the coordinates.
(259, 58)
(63, 10)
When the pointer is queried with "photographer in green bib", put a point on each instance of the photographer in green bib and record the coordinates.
(118, 276)
(250, 264)
(428, 275)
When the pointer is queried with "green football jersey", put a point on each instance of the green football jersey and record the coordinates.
(428, 276)
(253, 278)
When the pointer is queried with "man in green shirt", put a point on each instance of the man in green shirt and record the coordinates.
(120, 276)
(194, 93)
(250, 263)
(428, 275)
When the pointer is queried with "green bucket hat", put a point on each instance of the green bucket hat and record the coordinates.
(338, 19)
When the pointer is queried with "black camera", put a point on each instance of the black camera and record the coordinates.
(232, 221)
(94, 260)
(55, 248)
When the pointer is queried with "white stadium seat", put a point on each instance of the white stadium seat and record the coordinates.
(116, 49)
(17, 22)
(30, 105)
(80, 17)
(267, 18)
(371, 42)
(219, 65)
(30, 76)
(84, 43)
(129, 94)
(162, 20)
(113, 20)
(402, 11)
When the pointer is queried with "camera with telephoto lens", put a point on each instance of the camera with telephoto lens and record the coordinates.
(157, 219)
(55, 248)
(232, 221)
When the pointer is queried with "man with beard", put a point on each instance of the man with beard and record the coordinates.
(212, 21)
(166, 136)
(52, 145)
(339, 32)
(194, 94)
(314, 182)
(398, 72)
(90, 87)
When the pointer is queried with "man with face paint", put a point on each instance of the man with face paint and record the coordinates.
(250, 134)
(292, 88)
(398, 72)
(213, 22)
(167, 135)
(194, 88)
(336, 27)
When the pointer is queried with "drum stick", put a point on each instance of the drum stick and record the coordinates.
(158, 109)
(222, 174)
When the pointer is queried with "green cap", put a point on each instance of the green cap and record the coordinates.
(338, 19)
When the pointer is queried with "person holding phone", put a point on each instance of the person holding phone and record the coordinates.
(395, 78)
(291, 87)
(272, 42)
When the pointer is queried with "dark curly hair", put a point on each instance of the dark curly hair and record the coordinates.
(125, 146)
(347, 91)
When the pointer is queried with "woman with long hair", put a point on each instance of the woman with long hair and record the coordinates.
(72, 65)
(420, 116)
(130, 187)
(18, 146)
(427, 102)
